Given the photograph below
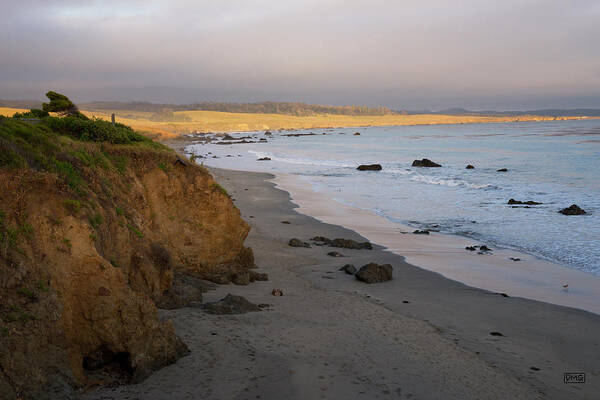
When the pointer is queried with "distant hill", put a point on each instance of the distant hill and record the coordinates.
(575, 112)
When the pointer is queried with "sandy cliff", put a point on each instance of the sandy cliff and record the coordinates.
(83, 266)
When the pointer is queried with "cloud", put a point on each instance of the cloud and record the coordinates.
(407, 54)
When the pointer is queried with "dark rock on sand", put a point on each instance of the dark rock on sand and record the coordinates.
(342, 243)
(241, 278)
(258, 276)
(369, 167)
(528, 202)
(277, 292)
(374, 273)
(349, 269)
(502, 170)
(418, 232)
(470, 166)
(298, 243)
(231, 304)
(264, 159)
(515, 259)
(471, 248)
(350, 244)
(425, 163)
(335, 254)
(496, 334)
(484, 248)
(285, 222)
(573, 210)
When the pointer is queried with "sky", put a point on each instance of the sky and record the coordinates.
(404, 54)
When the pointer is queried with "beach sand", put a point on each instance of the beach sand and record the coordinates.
(420, 336)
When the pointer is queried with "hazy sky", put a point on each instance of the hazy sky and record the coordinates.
(503, 54)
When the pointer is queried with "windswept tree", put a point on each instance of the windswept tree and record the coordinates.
(59, 103)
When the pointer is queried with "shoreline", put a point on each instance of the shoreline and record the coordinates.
(330, 336)
(531, 277)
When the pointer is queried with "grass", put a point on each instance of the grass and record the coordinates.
(72, 205)
(135, 231)
(96, 220)
(219, 188)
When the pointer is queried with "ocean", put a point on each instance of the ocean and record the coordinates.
(555, 163)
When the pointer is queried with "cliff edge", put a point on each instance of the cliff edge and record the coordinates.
(96, 227)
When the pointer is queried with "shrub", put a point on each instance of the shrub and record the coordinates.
(33, 113)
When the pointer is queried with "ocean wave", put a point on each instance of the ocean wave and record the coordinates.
(430, 180)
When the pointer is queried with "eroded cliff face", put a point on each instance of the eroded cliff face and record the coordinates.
(81, 270)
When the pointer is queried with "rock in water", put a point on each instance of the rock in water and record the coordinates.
(374, 273)
(418, 232)
(573, 210)
(502, 170)
(369, 167)
(528, 202)
(264, 159)
(231, 304)
(470, 166)
(356, 133)
(425, 163)
(298, 243)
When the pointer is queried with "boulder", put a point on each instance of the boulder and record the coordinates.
(374, 273)
(369, 167)
(470, 166)
(356, 133)
(258, 276)
(349, 269)
(573, 210)
(425, 163)
(264, 159)
(342, 243)
(268, 133)
(424, 232)
(335, 254)
(350, 244)
(528, 202)
(502, 170)
(231, 304)
(298, 243)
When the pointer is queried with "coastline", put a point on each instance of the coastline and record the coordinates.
(531, 277)
(330, 336)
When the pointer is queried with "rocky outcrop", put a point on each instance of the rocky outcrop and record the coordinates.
(84, 262)
(528, 202)
(573, 209)
(369, 167)
(298, 243)
(342, 243)
(231, 304)
(425, 163)
(374, 273)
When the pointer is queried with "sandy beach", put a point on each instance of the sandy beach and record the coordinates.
(419, 336)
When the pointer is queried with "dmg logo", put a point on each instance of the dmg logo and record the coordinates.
(574, 377)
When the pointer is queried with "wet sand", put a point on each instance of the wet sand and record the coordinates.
(419, 336)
